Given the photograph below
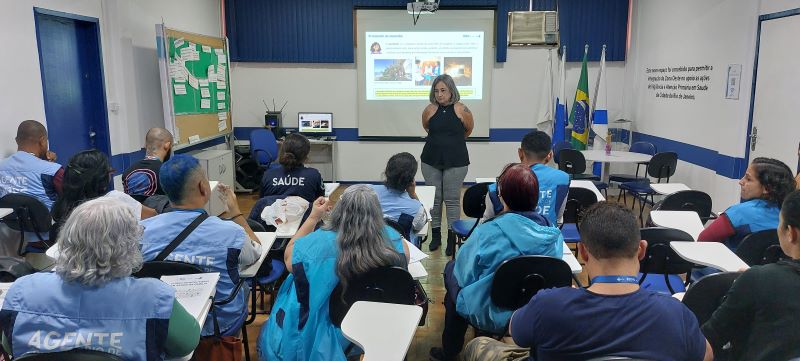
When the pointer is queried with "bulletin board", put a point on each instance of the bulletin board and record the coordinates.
(195, 85)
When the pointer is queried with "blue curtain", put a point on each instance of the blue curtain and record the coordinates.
(316, 31)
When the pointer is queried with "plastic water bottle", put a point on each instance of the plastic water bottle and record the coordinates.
(608, 143)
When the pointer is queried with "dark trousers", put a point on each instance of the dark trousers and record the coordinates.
(455, 326)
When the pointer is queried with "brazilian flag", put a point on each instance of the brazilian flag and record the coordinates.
(579, 116)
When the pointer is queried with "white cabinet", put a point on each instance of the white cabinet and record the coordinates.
(218, 165)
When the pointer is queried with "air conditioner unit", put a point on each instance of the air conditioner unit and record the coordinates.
(532, 28)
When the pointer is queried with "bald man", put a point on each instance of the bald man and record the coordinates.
(141, 179)
(32, 170)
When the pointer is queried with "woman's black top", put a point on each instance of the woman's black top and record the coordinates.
(445, 146)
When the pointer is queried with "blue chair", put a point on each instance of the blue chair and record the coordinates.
(266, 284)
(638, 147)
(578, 199)
(661, 260)
(662, 166)
(264, 148)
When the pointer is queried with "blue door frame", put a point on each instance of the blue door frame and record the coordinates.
(85, 98)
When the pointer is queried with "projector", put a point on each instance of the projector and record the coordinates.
(422, 7)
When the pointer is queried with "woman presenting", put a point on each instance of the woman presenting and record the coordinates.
(445, 157)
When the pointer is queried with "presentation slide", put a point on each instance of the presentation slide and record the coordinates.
(315, 122)
(402, 65)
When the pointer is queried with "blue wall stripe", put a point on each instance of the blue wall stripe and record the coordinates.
(351, 134)
(724, 165)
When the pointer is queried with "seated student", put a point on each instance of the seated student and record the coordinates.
(292, 178)
(535, 152)
(32, 169)
(354, 241)
(140, 180)
(87, 176)
(215, 245)
(764, 186)
(397, 194)
(518, 230)
(91, 301)
(613, 317)
(760, 314)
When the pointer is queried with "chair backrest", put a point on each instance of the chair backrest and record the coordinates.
(71, 355)
(474, 200)
(689, 200)
(384, 284)
(762, 247)
(662, 165)
(519, 278)
(263, 146)
(403, 228)
(659, 257)
(30, 215)
(643, 148)
(156, 269)
(571, 161)
(12, 268)
(707, 294)
(558, 147)
(578, 199)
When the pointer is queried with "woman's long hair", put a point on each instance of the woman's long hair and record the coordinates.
(85, 177)
(363, 243)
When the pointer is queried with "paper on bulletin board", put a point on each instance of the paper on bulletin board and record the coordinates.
(734, 80)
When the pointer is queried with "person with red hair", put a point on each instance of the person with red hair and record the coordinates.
(517, 230)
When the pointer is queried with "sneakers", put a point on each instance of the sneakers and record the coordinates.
(436, 239)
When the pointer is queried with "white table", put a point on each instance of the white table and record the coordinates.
(330, 188)
(5, 211)
(383, 330)
(687, 221)
(485, 180)
(417, 270)
(426, 195)
(266, 239)
(573, 263)
(711, 254)
(616, 156)
(587, 184)
(668, 188)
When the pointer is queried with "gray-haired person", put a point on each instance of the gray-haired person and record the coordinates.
(448, 123)
(354, 241)
(86, 302)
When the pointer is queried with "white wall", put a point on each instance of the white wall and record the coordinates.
(127, 31)
(520, 93)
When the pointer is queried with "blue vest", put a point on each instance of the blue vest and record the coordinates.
(504, 237)
(126, 317)
(214, 246)
(24, 173)
(400, 207)
(300, 327)
(553, 189)
(751, 216)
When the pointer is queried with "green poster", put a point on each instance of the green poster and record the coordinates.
(199, 77)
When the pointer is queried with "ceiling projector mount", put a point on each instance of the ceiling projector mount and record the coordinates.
(420, 7)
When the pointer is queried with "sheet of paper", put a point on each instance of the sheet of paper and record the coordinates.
(205, 93)
(194, 139)
(222, 115)
(415, 254)
(417, 270)
(221, 84)
(193, 290)
(193, 82)
(179, 42)
(212, 74)
(222, 59)
(186, 53)
(220, 95)
(206, 49)
(205, 103)
(203, 82)
(3, 289)
(221, 72)
(222, 125)
(180, 89)
(219, 51)
(221, 105)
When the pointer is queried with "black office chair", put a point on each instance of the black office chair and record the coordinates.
(573, 163)
(638, 147)
(707, 294)
(689, 200)
(29, 215)
(662, 167)
(520, 278)
(12, 268)
(474, 205)
(384, 284)
(660, 258)
(558, 147)
(77, 354)
(578, 200)
(760, 248)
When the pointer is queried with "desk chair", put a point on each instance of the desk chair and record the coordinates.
(263, 147)
(760, 248)
(558, 147)
(474, 205)
(573, 163)
(638, 147)
(707, 294)
(691, 200)
(660, 259)
(518, 279)
(77, 354)
(29, 215)
(662, 166)
(578, 200)
(12, 268)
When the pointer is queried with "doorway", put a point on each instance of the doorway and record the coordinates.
(72, 81)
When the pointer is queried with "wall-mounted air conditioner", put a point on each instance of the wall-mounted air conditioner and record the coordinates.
(532, 28)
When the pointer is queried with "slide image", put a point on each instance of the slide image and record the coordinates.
(306, 124)
(323, 124)
(391, 70)
(315, 123)
(460, 68)
(426, 70)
